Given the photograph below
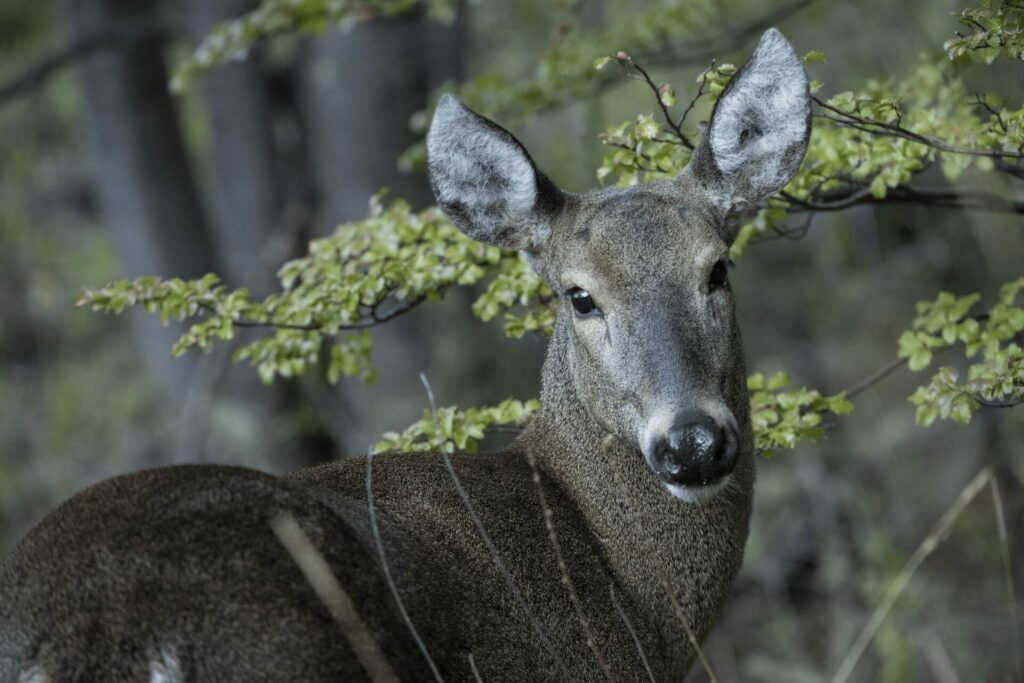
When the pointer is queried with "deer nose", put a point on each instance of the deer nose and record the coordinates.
(695, 451)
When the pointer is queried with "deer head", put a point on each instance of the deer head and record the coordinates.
(646, 319)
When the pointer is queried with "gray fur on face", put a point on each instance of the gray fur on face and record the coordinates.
(759, 130)
(485, 181)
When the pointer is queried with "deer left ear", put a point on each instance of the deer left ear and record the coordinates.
(759, 129)
(485, 181)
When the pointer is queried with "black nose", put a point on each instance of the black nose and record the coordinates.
(695, 451)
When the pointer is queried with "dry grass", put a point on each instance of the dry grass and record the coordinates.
(932, 541)
(652, 552)
(339, 604)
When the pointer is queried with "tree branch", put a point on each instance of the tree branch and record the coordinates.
(851, 120)
(703, 50)
(38, 73)
(935, 197)
(627, 61)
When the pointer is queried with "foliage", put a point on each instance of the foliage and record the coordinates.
(781, 419)
(864, 145)
(997, 29)
(364, 274)
(451, 429)
(233, 40)
(868, 146)
(997, 379)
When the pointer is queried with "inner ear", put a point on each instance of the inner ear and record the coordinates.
(486, 182)
(759, 128)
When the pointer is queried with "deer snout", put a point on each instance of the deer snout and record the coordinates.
(694, 451)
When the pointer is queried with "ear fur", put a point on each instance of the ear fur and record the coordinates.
(485, 181)
(759, 128)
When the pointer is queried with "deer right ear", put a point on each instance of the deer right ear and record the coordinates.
(485, 181)
(759, 129)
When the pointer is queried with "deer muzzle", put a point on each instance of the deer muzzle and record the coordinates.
(695, 451)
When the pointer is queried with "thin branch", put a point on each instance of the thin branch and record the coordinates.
(485, 537)
(703, 50)
(652, 552)
(829, 205)
(319, 575)
(997, 504)
(937, 534)
(563, 569)
(629, 62)
(374, 319)
(473, 669)
(931, 197)
(36, 75)
(998, 404)
(875, 377)
(896, 130)
(696, 96)
(379, 543)
(632, 633)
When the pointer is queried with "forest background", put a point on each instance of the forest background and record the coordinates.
(135, 142)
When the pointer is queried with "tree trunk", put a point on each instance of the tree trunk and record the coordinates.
(148, 198)
(247, 197)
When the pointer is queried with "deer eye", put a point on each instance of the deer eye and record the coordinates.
(719, 276)
(583, 303)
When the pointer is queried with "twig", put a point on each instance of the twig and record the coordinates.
(473, 669)
(1004, 542)
(928, 545)
(875, 377)
(563, 569)
(378, 541)
(319, 575)
(938, 658)
(937, 197)
(632, 633)
(498, 563)
(628, 61)
(850, 119)
(659, 565)
(833, 205)
(374, 320)
(997, 404)
(697, 95)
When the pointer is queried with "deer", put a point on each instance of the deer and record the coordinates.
(601, 544)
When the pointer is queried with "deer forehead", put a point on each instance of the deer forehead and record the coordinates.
(635, 239)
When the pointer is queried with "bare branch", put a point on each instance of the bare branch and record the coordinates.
(499, 564)
(379, 543)
(37, 74)
(629, 62)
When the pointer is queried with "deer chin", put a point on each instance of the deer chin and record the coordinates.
(698, 495)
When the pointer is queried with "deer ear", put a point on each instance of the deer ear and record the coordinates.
(759, 129)
(485, 181)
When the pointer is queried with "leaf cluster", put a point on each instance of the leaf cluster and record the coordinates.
(450, 429)
(364, 274)
(781, 419)
(996, 29)
(996, 378)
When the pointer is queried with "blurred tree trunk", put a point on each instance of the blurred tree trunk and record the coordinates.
(247, 196)
(358, 89)
(148, 197)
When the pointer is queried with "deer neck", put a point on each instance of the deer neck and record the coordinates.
(649, 536)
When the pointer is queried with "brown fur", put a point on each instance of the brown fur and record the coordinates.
(181, 564)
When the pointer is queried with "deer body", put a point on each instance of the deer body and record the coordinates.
(642, 449)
